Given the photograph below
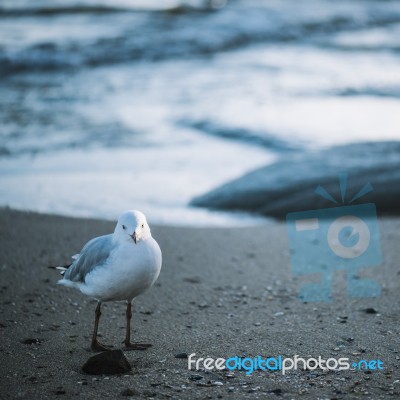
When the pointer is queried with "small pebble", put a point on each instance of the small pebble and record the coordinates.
(195, 377)
(31, 341)
(129, 392)
(181, 355)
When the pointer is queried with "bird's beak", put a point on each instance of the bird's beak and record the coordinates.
(134, 236)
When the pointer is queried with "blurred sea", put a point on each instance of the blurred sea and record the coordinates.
(111, 105)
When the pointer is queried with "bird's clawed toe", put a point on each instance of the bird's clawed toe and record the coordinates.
(136, 346)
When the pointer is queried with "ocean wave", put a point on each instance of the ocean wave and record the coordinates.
(105, 9)
(263, 139)
(105, 135)
(172, 35)
(38, 59)
(54, 11)
(391, 91)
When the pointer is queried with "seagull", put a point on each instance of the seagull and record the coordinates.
(115, 267)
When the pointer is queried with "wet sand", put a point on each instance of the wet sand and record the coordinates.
(221, 293)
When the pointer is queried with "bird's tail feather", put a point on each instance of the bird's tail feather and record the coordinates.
(62, 269)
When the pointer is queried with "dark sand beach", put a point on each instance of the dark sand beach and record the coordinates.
(202, 113)
(221, 293)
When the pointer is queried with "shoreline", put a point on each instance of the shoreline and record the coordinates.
(222, 292)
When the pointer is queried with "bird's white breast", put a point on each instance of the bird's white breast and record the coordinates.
(131, 269)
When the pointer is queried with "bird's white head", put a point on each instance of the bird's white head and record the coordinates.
(132, 226)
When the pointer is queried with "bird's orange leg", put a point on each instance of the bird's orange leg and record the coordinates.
(96, 345)
(128, 344)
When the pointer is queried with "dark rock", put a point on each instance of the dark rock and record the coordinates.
(146, 312)
(278, 391)
(129, 392)
(108, 363)
(370, 310)
(181, 355)
(195, 377)
(289, 184)
(31, 341)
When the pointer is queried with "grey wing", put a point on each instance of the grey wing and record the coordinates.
(94, 253)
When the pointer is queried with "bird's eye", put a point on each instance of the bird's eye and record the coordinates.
(142, 225)
(123, 227)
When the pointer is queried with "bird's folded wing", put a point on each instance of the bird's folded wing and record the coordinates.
(95, 253)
